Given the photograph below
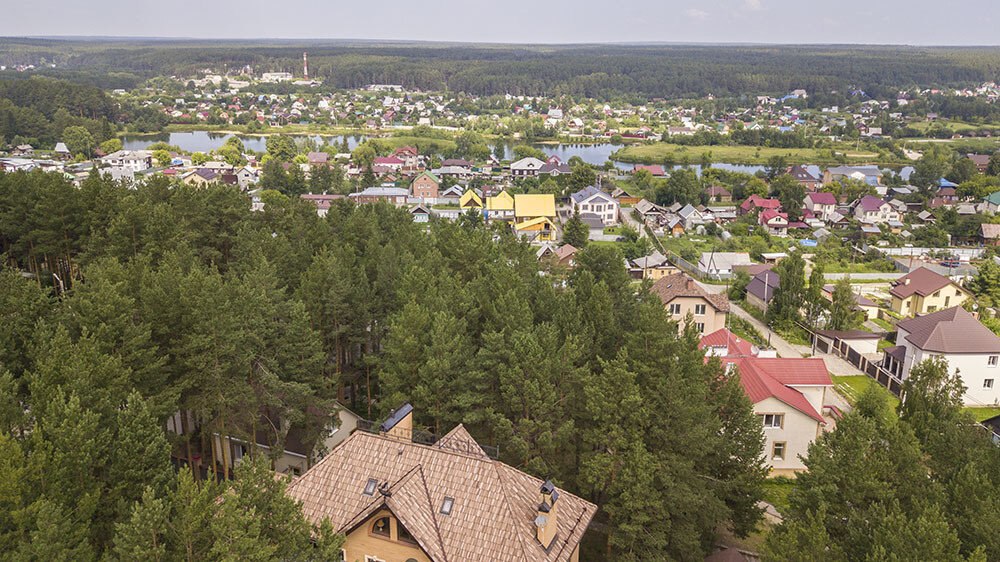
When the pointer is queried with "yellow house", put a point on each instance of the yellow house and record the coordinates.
(470, 200)
(536, 229)
(923, 291)
(533, 206)
(397, 500)
(500, 207)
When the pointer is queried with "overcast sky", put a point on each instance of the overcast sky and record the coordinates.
(918, 22)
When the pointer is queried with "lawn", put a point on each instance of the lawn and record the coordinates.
(776, 491)
(852, 387)
(883, 324)
(983, 413)
(654, 154)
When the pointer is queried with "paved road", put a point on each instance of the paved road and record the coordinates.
(860, 276)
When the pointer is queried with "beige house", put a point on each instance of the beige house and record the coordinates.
(923, 291)
(681, 295)
(398, 500)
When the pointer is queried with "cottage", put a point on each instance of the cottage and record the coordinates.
(989, 234)
(822, 204)
(323, 201)
(437, 498)
(526, 167)
(592, 201)
(530, 206)
(425, 186)
(718, 194)
(654, 266)
(500, 207)
(802, 175)
(775, 222)
(761, 289)
(955, 335)
(395, 195)
(470, 200)
(758, 203)
(874, 210)
(682, 295)
(923, 291)
(721, 264)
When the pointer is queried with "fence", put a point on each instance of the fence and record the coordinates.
(841, 349)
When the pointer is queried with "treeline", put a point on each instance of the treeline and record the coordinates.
(596, 71)
(174, 298)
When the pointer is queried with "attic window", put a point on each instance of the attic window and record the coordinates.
(370, 487)
(446, 506)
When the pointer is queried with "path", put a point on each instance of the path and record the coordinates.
(627, 218)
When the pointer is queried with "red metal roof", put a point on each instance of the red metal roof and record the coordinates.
(764, 378)
(724, 338)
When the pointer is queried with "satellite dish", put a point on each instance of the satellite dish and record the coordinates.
(541, 521)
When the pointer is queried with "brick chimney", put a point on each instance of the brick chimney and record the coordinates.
(690, 284)
(547, 521)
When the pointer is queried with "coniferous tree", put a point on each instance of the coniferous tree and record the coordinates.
(575, 232)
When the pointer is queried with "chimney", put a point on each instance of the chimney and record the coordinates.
(906, 281)
(399, 424)
(547, 521)
(690, 284)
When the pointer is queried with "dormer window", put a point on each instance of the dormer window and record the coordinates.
(370, 487)
(381, 527)
(446, 506)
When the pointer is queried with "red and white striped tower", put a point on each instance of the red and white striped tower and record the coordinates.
(305, 66)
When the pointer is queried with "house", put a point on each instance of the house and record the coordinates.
(760, 289)
(457, 163)
(723, 343)
(390, 162)
(991, 203)
(874, 210)
(989, 234)
(791, 399)
(552, 168)
(802, 175)
(500, 207)
(425, 186)
(624, 198)
(408, 155)
(318, 158)
(201, 176)
(536, 205)
(61, 151)
(981, 161)
(721, 264)
(681, 295)
(822, 204)
(563, 255)
(399, 495)
(246, 177)
(655, 171)
(718, 194)
(420, 214)
(956, 336)
(470, 200)
(872, 175)
(323, 201)
(654, 266)
(592, 201)
(690, 216)
(526, 167)
(869, 308)
(536, 229)
(775, 222)
(135, 160)
(756, 202)
(23, 150)
(395, 195)
(923, 291)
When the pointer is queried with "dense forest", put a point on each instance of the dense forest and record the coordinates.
(597, 71)
(123, 306)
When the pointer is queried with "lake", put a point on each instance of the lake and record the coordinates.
(206, 141)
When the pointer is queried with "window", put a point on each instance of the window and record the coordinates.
(403, 535)
(381, 527)
(370, 487)
(773, 421)
(937, 294)
(675, 309)
(700, 326)
(991, 361)
(946, 301)
(778, 451)
(931, 308)
(372, 559)
(987, 383)
(699, 309)
(446, 506)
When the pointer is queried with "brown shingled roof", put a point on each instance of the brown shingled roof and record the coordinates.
(922, 281)
(952, 330)
(494, 510)
(682, 285)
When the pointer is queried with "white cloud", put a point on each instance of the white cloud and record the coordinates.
(696, 13)
(752, 4)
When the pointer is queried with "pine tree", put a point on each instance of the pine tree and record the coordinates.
(143, 535)
(843, 315)
(575, 232)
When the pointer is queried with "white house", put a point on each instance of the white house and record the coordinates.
(592, 201)
(822, 204)
(134, 160)
(874, 210)
(954, 334)
(722, 263)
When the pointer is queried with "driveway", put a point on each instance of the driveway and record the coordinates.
(626, 216)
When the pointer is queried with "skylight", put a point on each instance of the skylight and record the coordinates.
(370, 487)
(446, 506)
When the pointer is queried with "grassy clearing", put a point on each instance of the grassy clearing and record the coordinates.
(852, 387)
(777, 490)
(654, 153)
(983, 413)
(883, 324)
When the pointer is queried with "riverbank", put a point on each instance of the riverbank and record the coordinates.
(747, 155)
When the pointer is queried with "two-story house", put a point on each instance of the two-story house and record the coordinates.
(526, 167)
(134, 160)
(500, 207)
(923, 291)
(682, 295)
(401, 495)
(775, 222)
(758, 203)
(956, 336)
(802, 175)
(822, 204)
(874, 210)
(592, 201)
(425, 186)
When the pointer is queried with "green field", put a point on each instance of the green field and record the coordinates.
(654, 154)
(852, 387)
(983, 413)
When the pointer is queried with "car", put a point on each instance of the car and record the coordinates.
(951, 263)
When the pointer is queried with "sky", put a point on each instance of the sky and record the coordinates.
(912, 22)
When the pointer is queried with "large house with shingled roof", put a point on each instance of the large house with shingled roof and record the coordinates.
(400, 496)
